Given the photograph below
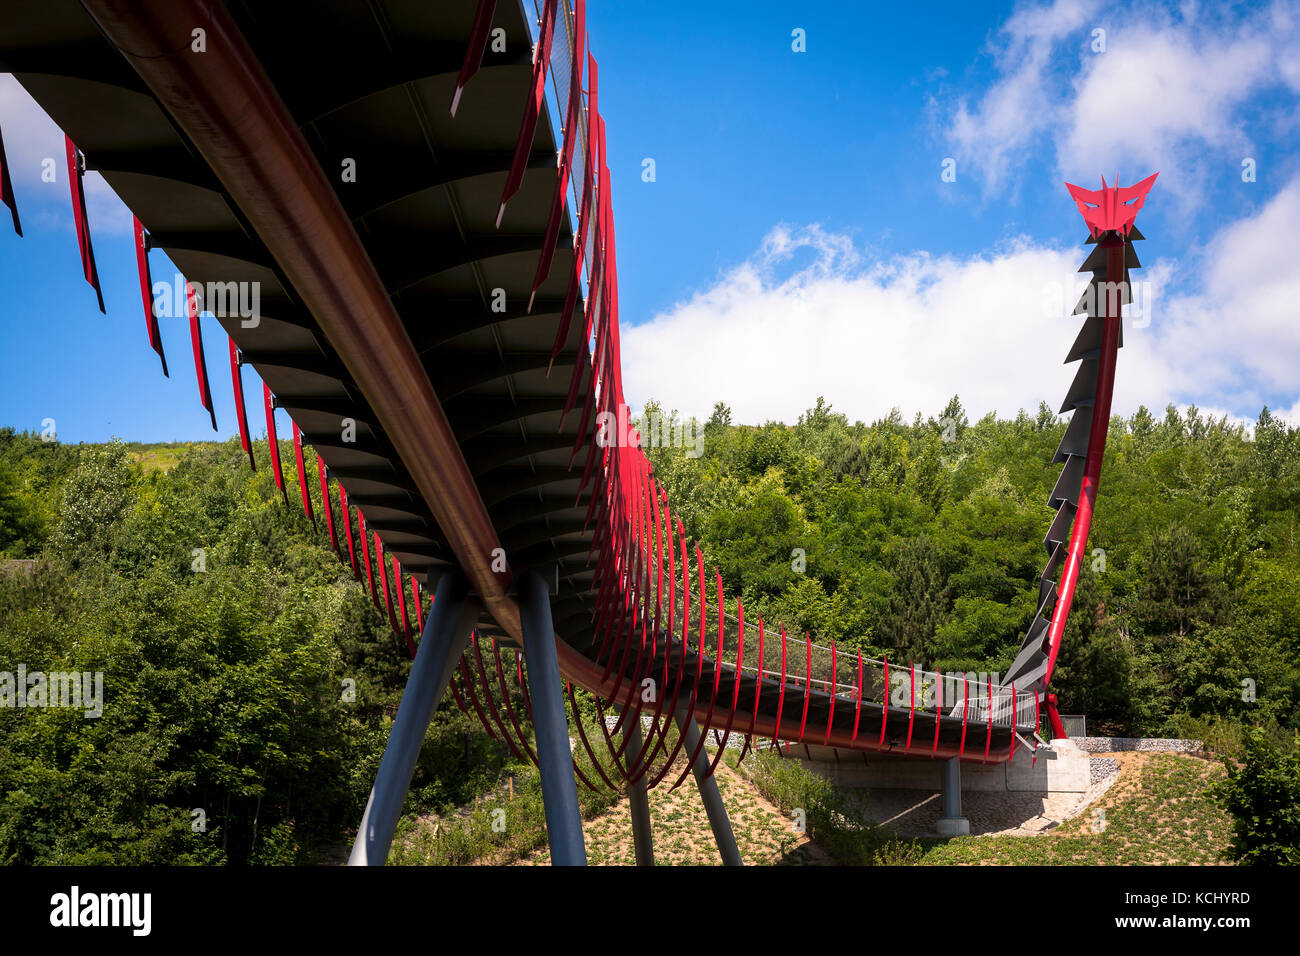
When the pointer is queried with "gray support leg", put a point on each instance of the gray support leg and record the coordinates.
(554, 756)
(639, 803)
(446, 632)
(952, 823)
(709, 793)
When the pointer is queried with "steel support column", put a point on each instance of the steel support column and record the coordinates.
(638, 802)
(554, 755)
(446, 632)
(709, 792)
(952, 823)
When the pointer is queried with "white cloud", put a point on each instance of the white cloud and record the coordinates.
(910, 331)
(994, 132)
(914, 330)
(1166, 94)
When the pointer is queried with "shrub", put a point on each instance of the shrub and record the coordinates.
(1263, 796)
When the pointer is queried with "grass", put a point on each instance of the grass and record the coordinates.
(1158, 813)
(682, 836)
(160, 457)
(503, 826)
(834, 817)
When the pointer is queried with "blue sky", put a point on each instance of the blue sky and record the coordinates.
(798, 239)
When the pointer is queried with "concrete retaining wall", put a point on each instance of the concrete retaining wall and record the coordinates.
(1171, 745)
(1063, 769)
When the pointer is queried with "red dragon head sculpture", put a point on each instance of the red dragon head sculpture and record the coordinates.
(1111, 207)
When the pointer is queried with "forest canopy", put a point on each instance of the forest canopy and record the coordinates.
(917, 540)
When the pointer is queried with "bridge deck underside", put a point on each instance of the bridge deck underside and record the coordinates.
(369, 85)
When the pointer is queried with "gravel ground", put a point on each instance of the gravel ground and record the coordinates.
(1103, 767)
(1171, 745)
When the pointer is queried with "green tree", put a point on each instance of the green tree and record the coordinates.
(1263, 796)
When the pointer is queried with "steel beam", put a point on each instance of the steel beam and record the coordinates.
(446, 632)
(229, 108)
(550, 725)
(952, 823)
(642, 836)
(709, 793)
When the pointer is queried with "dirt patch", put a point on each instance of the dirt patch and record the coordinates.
(682, 836)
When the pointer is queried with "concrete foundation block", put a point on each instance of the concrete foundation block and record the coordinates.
(953, 826)
(1063, 769)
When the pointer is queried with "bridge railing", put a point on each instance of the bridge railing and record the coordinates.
(810, 666)
(559, 75)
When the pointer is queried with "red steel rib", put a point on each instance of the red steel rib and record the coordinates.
(273, 441)
(200, 363)
(146, 295)
(884, 706)
(241, 413)
(302, 473)
(478, 39)
(857, 708)
(807, 688)
(911, 707)
(830, 717)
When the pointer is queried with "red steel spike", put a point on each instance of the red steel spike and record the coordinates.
(146, 293)
(401, 608)
(415, 598)
(200, 363)
(347, 530)
(573, 115)
(273, 442)
(383, 586)
(7, 188)
(478, 39)
(532, 109)
(325, 502)
(84, 245)
(365, 553)
(241, 413)
(302, 474)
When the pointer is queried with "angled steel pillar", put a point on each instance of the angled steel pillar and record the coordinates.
(713, 806)
(446, 632)
(952, 823)
(642, 837)
(554, 755)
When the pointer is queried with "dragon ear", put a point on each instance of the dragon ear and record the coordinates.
(1103, 181)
